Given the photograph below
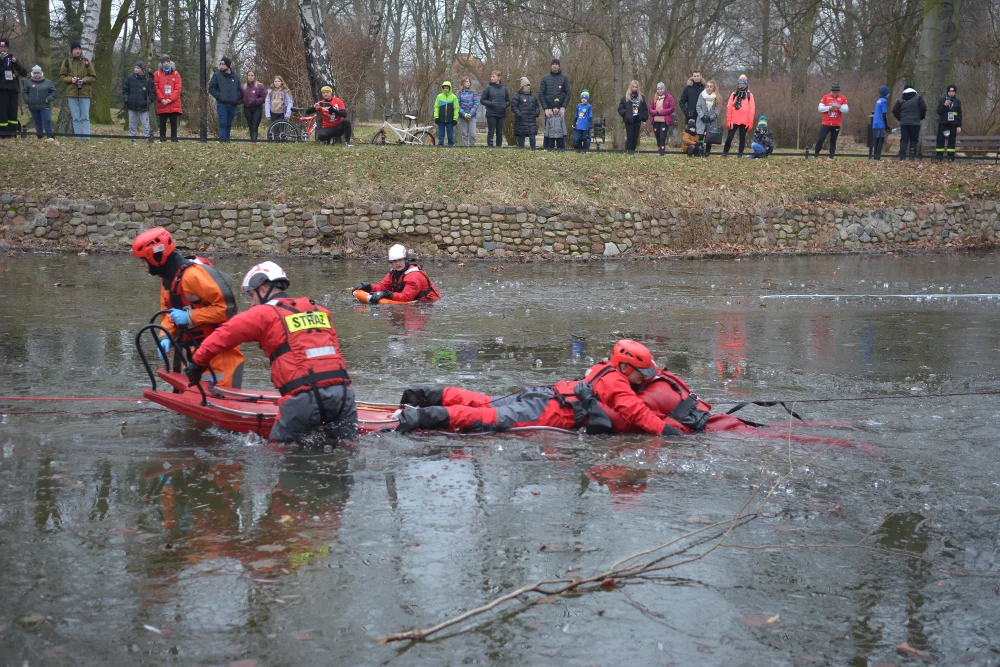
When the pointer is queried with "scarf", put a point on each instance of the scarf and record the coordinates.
(739, 95)
(635, 103)
(709, 99)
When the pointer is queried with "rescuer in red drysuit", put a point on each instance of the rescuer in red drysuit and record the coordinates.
(604, 401)
(404, 283)
(298, 337)
(669, 397)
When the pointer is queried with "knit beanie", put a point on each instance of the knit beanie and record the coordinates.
(762, 121)
(141, 65)
(75, 44)
(951, 88)
(585, 93)
(743, 80)
(37, 70)
(4, 41)
(835, 86)
(525, 82)
(227, 62)
(884, 91)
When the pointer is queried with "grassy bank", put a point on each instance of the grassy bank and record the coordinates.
(315, 175)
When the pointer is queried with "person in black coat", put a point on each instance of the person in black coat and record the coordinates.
(495, 98)
(910, 109)
(553, 91)
(949, 112)
(526, 108)
(634, 111)
(138, 93)
(12, 73)
(688, 101)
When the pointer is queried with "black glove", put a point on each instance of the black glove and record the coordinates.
(375, 296)
(706, 119)
(194, 373)
(365, 287)
(670, 430)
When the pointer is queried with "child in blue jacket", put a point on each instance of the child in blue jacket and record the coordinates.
(581, 124)
(879, 124)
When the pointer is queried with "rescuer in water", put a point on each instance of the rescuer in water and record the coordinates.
(404, 283)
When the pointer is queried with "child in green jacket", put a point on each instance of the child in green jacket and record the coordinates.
(446, 114)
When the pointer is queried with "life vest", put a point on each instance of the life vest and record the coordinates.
(588, 411)
(222, 280)
(668, 395)
(309, 358)
(397, 283)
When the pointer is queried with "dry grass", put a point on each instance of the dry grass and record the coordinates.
(315, 175)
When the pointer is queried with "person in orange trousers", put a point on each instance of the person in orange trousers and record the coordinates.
(198, 296)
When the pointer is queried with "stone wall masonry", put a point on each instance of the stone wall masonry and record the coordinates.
(511, 232)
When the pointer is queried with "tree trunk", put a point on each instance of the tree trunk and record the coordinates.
(765, 39)
(103, 58)
(802, 54)
(91, 19)
(317, 54)
(618, 64)
(224, 29)
(38, 29)
(936, 54)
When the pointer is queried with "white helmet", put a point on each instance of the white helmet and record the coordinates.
(397, 251)
(261, 273)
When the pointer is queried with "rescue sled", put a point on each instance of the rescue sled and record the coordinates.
(362, 296)
(238, 410)
(244, 411)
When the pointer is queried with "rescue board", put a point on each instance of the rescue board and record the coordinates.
(246, 411)
(362, 296)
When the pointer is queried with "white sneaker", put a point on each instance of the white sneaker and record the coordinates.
(349, 145)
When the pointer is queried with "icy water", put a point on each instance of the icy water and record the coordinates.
(147, 538)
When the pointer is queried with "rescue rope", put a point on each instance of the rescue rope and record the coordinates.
(69, 398)
(891, 397)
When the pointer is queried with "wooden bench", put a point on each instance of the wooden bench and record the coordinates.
(965, 144)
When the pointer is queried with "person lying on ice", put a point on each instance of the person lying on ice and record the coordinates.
(198, 296)
(306, 365)
(604, 401)
(404, 283)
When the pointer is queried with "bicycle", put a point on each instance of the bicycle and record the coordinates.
(299, 128)
(411, 135)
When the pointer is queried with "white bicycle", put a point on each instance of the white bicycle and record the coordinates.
(411, 135)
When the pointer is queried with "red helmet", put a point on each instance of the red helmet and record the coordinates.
(154, 245)
(635, 355)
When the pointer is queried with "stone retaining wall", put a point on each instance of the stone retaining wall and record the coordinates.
(478, 231)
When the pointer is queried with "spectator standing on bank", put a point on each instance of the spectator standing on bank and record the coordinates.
(253, 97)
(581, 122)
(689, 96)
(79, 76)
(446, 114)
(526, 109)
(949, 112)
(634, 112)
(167, 85)
(880, 122)
(225, 88)
(832, 107)
(496, 99)
(661, 115)
(137, 93)
(910, 109)
(38, 95)
(468, 108)
(762, 144)
(554, 94)
(11, 74)
(707, 115)
(278, 105)
(740, 113)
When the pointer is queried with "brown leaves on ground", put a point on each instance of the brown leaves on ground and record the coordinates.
(314, 175)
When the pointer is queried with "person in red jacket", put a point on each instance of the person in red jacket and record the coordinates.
(604, 401)
(167, 82)
(333, 119)
(833, 106)
(306, 364)
(740, 113)
(404, 283)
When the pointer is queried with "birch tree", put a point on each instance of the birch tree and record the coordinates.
(318, 64)
(224, 28)
(936, 54)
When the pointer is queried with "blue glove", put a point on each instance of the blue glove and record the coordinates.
(181, 317)
(164, 348)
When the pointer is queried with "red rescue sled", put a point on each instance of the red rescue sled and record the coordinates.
(246, 411)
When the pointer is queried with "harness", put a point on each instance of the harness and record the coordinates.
(311, 379)
(688, 412)
(222, 280)
(586, 407)
(397, 284)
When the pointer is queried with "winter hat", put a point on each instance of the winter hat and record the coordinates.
(743, 80)
(4, 41)
(762, 121)
(692, 123)
(835, 86)
(141, 65)
(525, 82)
(326, 89)
(555, 61)
(585, 93)
(75, 44)
(884, 91)
(37, 70)
(661, 85)
(227, 62)
(952, 87)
